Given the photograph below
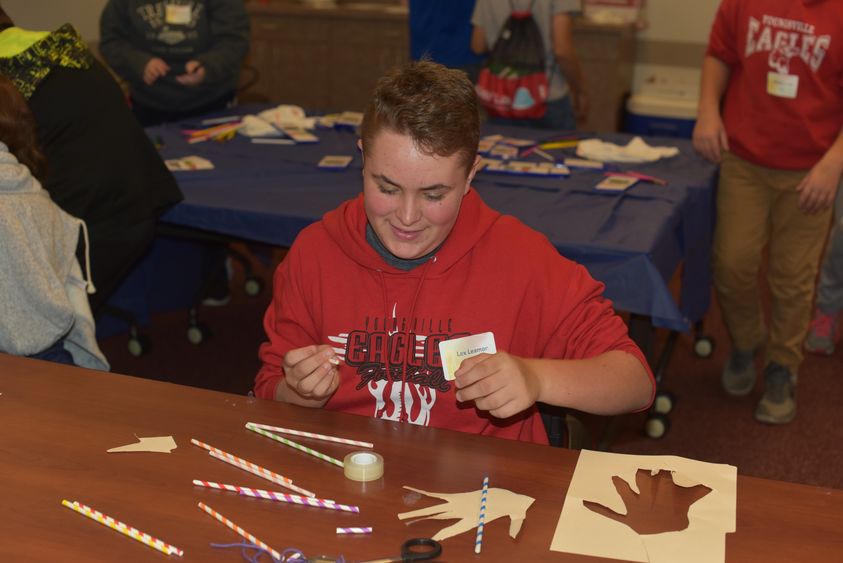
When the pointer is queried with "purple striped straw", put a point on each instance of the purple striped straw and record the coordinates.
(294, 499)
(366, 530)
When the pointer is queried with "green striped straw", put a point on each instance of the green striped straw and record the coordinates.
(292, 444)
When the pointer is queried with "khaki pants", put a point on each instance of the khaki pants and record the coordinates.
(757, 206)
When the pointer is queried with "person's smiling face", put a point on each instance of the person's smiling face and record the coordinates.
(412, 199)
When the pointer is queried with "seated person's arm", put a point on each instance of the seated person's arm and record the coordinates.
(588, 362)
(293, 369)
(229, 42)
(129, 62)
(614, 382)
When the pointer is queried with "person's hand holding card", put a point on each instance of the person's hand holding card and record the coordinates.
(311, 373)
(496, 381)
(499, 383)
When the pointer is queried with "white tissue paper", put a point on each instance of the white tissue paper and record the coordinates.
(269, 123)
(637, 150)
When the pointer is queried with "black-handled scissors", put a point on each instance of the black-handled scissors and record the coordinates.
(416, 549)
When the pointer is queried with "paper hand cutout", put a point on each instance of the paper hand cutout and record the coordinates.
(661, 506)
(161, 444)
(466, 508)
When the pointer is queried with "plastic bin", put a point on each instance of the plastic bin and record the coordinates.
(660, 116)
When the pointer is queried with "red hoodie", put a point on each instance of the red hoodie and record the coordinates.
(492, 273)
(799, 40)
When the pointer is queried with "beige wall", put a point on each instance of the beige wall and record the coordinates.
(683, 21)
(671, 47)
(47, 15)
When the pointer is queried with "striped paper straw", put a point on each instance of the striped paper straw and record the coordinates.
(367, 530)
(270, 475)
(124, 529)
(313, 435)
(240, 531)
(481, 521)
(246, 467)
(254, 468)
(292, 444)
(294, 499)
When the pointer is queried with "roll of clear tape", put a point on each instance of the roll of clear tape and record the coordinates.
(363, 466)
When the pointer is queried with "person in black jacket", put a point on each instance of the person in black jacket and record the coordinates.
(101, 166)
(180, 58)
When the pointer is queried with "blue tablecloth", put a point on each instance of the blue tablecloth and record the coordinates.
(632, 241)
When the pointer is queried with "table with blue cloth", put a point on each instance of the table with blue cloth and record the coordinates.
(633, 241)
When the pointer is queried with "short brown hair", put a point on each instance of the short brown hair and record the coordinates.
(436, 106)
(17, 128)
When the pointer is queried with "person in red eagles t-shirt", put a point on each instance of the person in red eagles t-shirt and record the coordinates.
(365, 295)
(777, 68)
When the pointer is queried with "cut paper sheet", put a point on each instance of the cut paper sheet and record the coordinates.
(582, 531)
(466, 508)
(160, 444)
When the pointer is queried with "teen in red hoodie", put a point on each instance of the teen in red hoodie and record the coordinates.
(365, 295)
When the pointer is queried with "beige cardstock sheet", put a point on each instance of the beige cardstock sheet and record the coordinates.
(465, 507)
(585, 532)
(158, 444)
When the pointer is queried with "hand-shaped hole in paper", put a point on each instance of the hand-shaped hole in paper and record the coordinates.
(660, 506)
(465, 507)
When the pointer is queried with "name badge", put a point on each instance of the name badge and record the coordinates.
(782, 85)
(177, 14)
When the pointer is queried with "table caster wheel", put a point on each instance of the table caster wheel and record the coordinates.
(703, 346)
(253, 286)
(663, 402)
(657, 425)
(138, 345)
(198, 333)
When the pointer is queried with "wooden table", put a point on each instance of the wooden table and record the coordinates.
(56, 424)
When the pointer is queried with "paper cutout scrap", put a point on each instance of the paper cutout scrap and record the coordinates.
(466, 508)
(583, 531)
(652, 509)
(159, 444)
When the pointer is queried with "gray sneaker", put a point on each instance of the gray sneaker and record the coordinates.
(739, 373)
(778, 405)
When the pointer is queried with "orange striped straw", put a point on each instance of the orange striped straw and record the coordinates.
(240, 531)
(124, 529)
(246, 467)
(258, 470)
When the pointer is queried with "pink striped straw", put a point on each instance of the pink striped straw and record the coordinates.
(240, 531)
(366, 530)
(274, 477)
(293, 499)
(313, 435)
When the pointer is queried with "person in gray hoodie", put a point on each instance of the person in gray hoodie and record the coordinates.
(44, 312)
(180, 58)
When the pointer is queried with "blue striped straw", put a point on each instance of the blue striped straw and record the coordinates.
(481, 521)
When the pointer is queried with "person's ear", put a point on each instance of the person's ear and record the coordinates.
(362, 154)
(471, 174)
